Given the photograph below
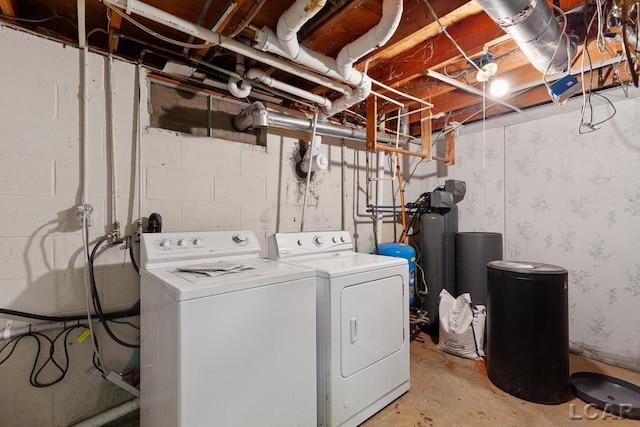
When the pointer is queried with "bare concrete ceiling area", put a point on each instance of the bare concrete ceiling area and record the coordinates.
(434, 54)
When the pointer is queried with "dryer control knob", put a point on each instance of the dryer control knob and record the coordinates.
(299, 242)
(317, 240)
(197, 241)
(342, 239)
(240, 238)
(165, 243)
(182, 242)
(334, 239)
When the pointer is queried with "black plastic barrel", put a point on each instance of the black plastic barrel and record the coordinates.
(528, 330)
(473, 251)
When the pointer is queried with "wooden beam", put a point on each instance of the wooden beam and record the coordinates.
(426, 32)
(9, 7)
(372, 123)
(425, 132)
(114, 32)
(450, 149)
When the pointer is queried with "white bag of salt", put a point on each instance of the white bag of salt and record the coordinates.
(461, 326)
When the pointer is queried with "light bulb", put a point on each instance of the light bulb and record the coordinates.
(498, 87)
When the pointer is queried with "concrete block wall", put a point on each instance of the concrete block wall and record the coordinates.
(195, 183)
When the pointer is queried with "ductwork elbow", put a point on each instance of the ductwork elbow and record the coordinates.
(292, 20)
(254, 116)
(374, 38)
(533, 26)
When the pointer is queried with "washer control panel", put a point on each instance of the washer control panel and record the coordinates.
(162, 248)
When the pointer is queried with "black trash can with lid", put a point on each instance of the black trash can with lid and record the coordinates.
(528, 330)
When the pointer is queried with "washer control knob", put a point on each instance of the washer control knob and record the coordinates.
(165, 243)
(182, 242)
(197, 241)
(334, 239)
(317, 240)
(300, 242)
(342, 239)
(239, 238)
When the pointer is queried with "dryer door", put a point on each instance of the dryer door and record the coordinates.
(372, 319)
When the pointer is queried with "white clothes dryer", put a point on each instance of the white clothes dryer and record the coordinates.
(362, 323)
(226, 338)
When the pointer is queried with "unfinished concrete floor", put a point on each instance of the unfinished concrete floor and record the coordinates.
(447, 390)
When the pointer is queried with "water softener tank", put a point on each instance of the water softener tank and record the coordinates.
(432, 244)
(528, 330)
(399, 250)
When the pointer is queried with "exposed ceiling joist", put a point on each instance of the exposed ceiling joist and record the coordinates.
(9, 7)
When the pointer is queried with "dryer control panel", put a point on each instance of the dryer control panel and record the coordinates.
(287, 245)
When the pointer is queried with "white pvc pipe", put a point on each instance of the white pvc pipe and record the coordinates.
(112, 142)
(111, 414)
(8, 333)
(202, 33)
(292, 20)
(84, 118)
(374, 38)
(245, 88)
(268, 41)
(256, 74)
(379, 192)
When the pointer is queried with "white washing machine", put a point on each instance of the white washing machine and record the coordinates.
(362, 320)
(227, 339)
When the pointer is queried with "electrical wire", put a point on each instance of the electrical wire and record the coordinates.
(38, 368)
(158, 35)
(38, 21)
(443, 30)
(555, 51)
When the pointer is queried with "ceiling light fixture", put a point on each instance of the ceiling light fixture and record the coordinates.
(497, 87)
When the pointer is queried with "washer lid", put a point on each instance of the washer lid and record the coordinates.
(251, 273)
(527, 267)
(618, 397)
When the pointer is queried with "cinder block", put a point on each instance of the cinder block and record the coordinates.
(68, 178)
(37, 55)
(205, 216)
(171, 212)
(28, 95)
(26, 175)
(179, 184)
(255, 161)
(259, 217)
(211, 154)
(120, 286)
(39, 216)
(161, 149)
(49, 138)
(47, 294)
(68, 254)
(240, 189)
(26, 257)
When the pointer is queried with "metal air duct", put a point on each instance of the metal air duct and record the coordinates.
(533, 26)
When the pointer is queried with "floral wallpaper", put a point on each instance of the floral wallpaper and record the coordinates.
(572, 200)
